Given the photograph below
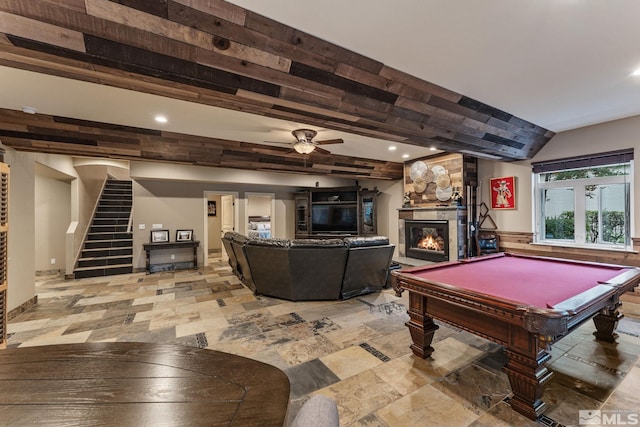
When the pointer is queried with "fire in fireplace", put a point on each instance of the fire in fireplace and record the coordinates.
(427, 239)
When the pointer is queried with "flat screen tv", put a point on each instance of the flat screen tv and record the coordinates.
(334, 219)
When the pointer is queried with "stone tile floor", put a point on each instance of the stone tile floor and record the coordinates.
(354, 351)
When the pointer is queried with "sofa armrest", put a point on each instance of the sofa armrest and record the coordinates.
(366, 269)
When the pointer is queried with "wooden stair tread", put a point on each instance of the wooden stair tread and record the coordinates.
(102, 267)
(95, 258)
(102, 249)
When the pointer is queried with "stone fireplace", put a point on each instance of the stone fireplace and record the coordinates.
(445, 224)
(427, 239)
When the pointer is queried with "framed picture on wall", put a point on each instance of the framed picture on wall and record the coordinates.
(159, 236)
(503, 192)
(211, 207)
(184, 235)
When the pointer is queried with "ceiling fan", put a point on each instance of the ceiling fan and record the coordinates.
(304, 143)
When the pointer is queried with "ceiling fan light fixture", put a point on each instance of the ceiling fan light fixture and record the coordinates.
(304, 147)
(304, 134)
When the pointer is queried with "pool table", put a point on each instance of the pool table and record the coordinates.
(524, 303)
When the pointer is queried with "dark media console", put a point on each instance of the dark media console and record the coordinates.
(335, 212)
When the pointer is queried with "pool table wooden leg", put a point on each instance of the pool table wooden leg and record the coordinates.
(606, 323)
(528, 377)
(420, 326)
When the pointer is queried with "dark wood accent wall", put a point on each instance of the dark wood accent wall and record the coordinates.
(520, 242)
(215, 53)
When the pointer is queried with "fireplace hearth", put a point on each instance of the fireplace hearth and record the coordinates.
(427, 239)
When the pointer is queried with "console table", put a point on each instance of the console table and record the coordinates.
(135, 384)
(178, 265)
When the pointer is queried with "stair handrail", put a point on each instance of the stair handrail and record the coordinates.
(130, 223)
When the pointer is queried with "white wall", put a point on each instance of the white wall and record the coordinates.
(21, 261)
(518, 219)
(171, 171)
(258, 205)
(52, 218)
(610, 136)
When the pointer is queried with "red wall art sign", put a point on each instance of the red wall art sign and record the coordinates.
(503, 192)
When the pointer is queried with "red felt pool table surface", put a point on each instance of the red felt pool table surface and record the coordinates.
(537, 282)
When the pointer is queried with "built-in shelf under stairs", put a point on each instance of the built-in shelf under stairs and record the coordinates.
(108, 248)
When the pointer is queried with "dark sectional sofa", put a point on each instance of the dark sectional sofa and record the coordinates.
(310, 269)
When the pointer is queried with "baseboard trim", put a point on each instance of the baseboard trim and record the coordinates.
(22, 307)
(48, 272)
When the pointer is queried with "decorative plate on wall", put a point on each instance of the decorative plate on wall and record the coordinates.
(438, 170)
(418, 170)
(443, 181)
(430, 192)
(430, 176)
(419, 185)
(444, 194)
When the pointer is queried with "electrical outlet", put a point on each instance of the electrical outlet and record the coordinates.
(53, 260)
(141, 226)
(173, 256)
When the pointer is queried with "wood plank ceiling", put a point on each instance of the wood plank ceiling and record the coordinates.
(215, 53)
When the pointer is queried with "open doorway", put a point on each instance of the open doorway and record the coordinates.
(259, 214)
(220, 217)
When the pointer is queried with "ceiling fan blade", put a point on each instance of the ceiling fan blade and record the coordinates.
(329, 141)
(281, 144)
(321, 150)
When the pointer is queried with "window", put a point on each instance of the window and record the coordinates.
(585, 201)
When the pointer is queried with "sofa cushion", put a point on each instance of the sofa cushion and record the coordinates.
(315, 243)
(358, 242)
(271, 242)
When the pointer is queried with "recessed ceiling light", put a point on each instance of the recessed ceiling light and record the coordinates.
(160, 118)
(29, 110)
(636, 73)
(405, 156)
(432, 148)
(392, 148)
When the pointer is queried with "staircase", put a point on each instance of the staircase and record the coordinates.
(108, 248)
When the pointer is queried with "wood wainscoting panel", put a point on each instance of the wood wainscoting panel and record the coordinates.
(521, 242)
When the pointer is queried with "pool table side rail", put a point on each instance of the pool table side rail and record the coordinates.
(512, 255)
(494, 319)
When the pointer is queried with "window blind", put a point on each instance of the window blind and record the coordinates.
(592, 160)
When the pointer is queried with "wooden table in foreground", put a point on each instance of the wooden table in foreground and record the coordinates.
(523, 303)
(138, 384)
